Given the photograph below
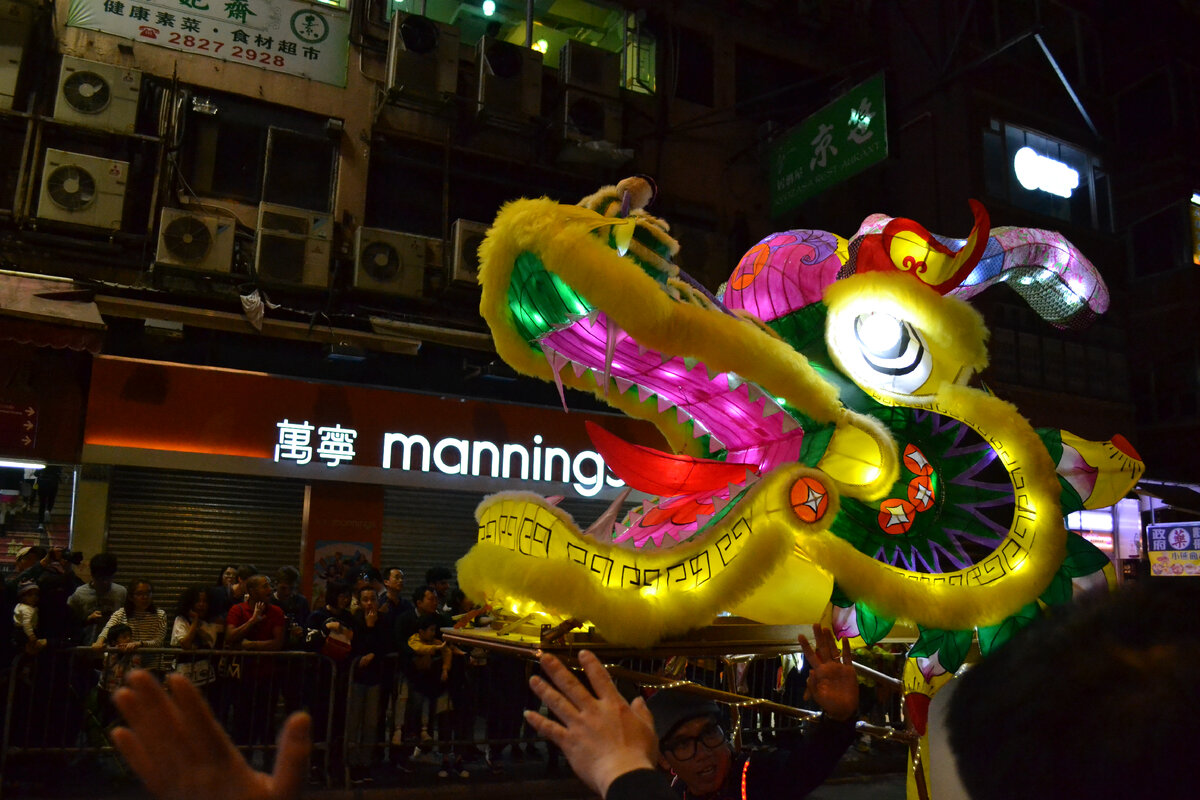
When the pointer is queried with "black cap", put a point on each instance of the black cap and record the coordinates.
(672, 707)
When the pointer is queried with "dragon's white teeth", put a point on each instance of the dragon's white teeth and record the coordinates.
(698, 429)
(663, 403)
(622, 384)
(681, 415)
(789, 424)
(600, 378)
(619, 530)
(593, 316)
(719, 502)
(702, 520)
(733, 380)
(666, 358)
(713, 374)
(643, 393)
(753, 392)
(690, 362)
(770, 409)
(556, 360)
(715, 445)
(578, 369)
(642, 350)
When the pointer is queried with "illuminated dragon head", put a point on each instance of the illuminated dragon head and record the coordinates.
(824, 441)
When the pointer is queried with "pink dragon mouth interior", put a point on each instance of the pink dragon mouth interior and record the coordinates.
(744, 426)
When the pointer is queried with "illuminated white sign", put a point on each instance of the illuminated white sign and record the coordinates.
(1036, 171)
(295, 443)
(585, 471)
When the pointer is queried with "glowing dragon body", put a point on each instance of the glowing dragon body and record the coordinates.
(821, 425)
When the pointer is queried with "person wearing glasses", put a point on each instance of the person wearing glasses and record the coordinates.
(694, 747)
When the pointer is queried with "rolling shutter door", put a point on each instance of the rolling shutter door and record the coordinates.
(177, 529)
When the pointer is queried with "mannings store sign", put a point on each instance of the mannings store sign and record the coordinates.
(302, 39)
(335, 445)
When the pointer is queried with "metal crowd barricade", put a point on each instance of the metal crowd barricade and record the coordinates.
(56, 708)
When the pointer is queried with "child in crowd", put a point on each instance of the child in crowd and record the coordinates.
(119, 659)
(25, 618)
(430, 674)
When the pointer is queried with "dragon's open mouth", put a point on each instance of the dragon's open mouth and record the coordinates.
(743, 431)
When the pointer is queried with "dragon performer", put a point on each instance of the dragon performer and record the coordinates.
(825, 442)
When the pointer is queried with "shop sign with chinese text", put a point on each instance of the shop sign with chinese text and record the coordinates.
(839, 141)
(1173, 548)
(302, 39)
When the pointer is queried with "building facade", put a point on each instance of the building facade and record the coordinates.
(215, 192)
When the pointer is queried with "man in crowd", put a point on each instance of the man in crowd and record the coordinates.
(439, 579)
(693, 745)
(95, 601)
(392, 601)
(256, 625)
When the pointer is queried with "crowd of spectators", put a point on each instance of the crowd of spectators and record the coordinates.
(369, 662)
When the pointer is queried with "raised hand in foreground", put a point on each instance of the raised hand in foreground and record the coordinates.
(832, 683)
(173, 742)
(601, 735)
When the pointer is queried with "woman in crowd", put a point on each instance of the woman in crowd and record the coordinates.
(147, 621)
(196, 628)
(330, 632)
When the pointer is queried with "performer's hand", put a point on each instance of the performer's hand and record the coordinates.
(601, 735)
(832, 683)
(175, 744)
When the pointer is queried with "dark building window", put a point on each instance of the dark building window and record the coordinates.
(694, 67)
(767, 87)
(249, 152)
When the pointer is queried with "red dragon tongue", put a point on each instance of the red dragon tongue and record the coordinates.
(663, 474)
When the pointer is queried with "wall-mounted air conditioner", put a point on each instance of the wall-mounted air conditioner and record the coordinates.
(510, 80)
(293, 248)
(587, 117)
(388, 262)
(16, 23)
(82, 189)
(467, 236)
(422, 63)
(96, 95)
(591, 69)
(195, 241)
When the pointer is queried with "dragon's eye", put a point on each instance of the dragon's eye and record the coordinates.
(891, 353)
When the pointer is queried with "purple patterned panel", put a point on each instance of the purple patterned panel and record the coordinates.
(784, 272)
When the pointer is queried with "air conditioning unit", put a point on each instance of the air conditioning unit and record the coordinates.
(195, 241)
(16, 23)
(94, 95)
(422, 63)
(510, 80)
(591, 69)
(82, 189)
(388, 262)
(467, 237)
(588, 117)
(294, 247)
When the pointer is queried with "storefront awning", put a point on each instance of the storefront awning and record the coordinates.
(48, 313)
(1181, 497)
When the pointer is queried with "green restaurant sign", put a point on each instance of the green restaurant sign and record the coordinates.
(841, 140)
